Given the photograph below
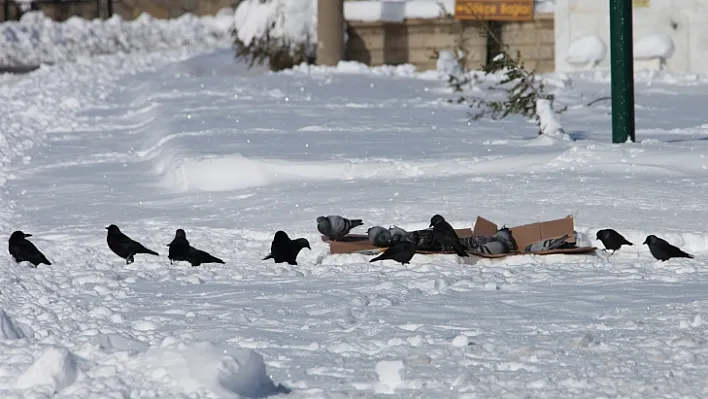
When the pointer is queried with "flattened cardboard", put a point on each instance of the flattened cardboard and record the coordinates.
(530, 233)
(360, 243)
(523, 236)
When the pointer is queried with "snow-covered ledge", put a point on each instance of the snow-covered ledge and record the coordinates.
(397, 10)
(664, 36)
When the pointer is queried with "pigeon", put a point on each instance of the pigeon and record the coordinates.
(180, 249)
(335, 227)
(495, 247)
(23, 250)
(446, 235)
(662, 250)
(546, 245)
(611, 239)
(283, 249)
(475, 243)
(504, 235)
(379, 236)
(123, 246)
(397, 231)
(402, 249)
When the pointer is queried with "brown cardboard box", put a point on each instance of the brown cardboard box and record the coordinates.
(523, 235)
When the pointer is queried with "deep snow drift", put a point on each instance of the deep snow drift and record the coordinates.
(36, 39)
(158, 143)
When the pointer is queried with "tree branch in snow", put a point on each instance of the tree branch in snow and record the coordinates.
(526, 96)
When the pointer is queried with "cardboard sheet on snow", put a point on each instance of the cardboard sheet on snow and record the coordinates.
(523, 235)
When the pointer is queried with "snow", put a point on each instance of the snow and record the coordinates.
(656, 45)
(292, 21)
(548, 120)
(165, 140)
(588, 50)
(36, 39)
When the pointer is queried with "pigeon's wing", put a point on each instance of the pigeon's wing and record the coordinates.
(495, 248)
(339, 225)
(546, 245)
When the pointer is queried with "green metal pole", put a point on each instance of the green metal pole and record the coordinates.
(622, 70)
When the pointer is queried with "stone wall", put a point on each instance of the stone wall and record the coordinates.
(535, 41)
(413, 41)
(130, 9)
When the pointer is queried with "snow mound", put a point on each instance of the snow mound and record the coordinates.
(36, 39)
(396, 11)
(55, 368)
(448, 65)
(654, 46)
(202, 365)
(548, 120)
(390, 374)
(587, 50)
(292, 21)
(354, 67)
(10, 329)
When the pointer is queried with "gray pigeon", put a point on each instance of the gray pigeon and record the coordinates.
(402, 250)
(396, 231)
(662, 250)
(335, 227)
(495, 248)
(475, 243)
(504, 235)
(379, 236)
(546, 245)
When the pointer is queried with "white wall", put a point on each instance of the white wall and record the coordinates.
(576, 18)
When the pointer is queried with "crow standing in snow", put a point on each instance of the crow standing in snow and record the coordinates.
(446, 235)
(123, 246)
(611, 239)
(335, 227)
(22, 249)
(662, 250)
(181, 250)
(402, 249)
(283, 249)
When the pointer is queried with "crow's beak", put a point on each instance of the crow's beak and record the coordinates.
(644, 243)
(106, 228)
(431, 224)
(28, 235)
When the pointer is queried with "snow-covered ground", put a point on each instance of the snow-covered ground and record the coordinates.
(158, 142)
(36, 39)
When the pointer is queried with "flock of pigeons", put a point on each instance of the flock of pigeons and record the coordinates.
(400, 245)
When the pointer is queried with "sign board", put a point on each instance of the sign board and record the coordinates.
(640, 3)
(494, 10)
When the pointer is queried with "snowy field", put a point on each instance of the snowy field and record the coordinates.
(158, 142)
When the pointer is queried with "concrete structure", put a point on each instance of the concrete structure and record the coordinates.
(668, 34)
(330, 32)
(413, 41)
